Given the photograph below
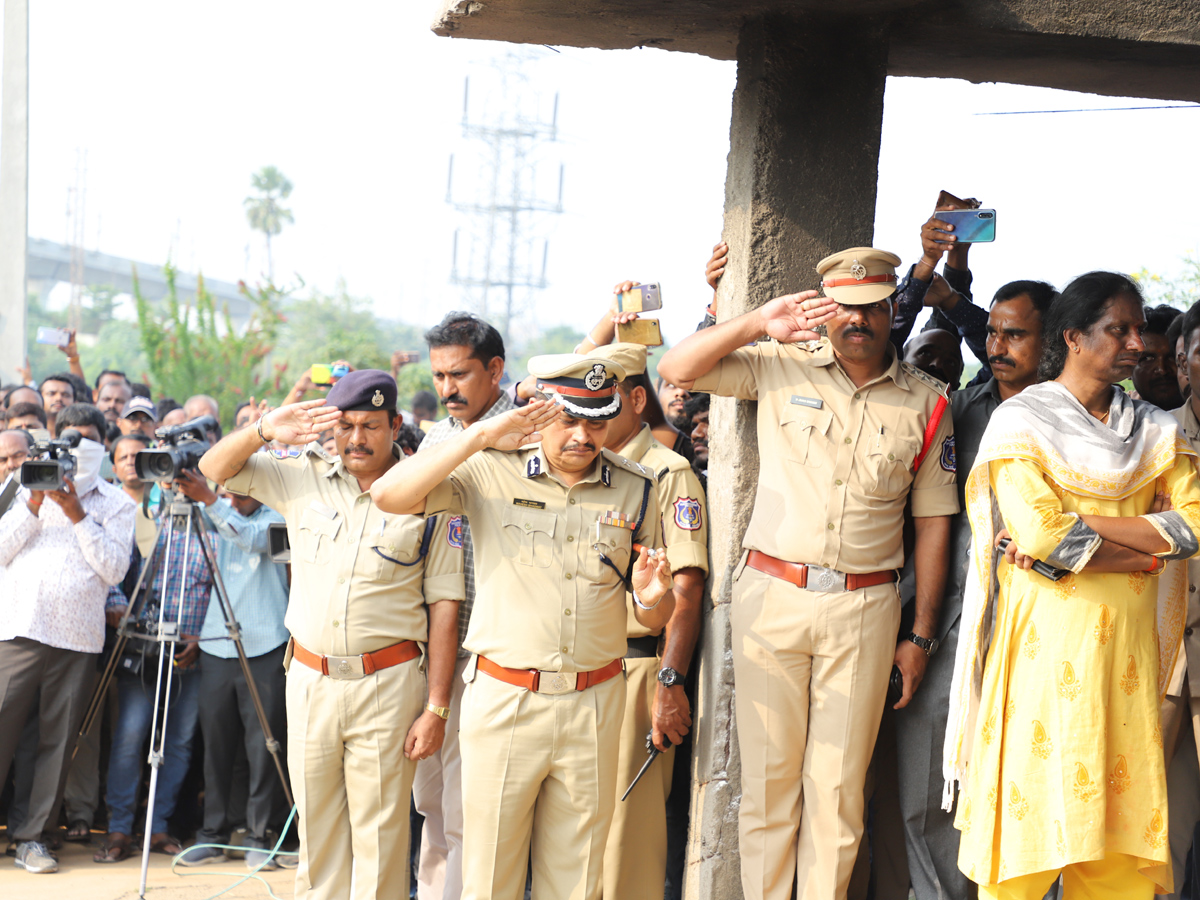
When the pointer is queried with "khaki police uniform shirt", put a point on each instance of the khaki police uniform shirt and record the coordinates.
(358, 582)
(835, 460)
(544, 599)
(681, 506)
(1189, 660)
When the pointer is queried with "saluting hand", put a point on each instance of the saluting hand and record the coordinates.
(652, 576)
(299, 423)
(517, 427)
(791, 318)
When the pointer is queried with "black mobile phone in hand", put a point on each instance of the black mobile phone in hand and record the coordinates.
(895, 686)
(1044, 569)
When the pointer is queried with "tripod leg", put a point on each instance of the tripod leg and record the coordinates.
(231, 624)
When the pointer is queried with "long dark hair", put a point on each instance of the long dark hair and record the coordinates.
(1080, 306)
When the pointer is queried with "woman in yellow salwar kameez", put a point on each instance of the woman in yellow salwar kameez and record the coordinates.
(1054, 729)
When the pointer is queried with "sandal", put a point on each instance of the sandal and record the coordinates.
(79, 832)
(161, 842)
(115, 849)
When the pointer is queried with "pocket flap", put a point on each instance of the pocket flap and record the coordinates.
(402, 539)
(801, 417)
(893, 449)
(314, 521)
(529, 520)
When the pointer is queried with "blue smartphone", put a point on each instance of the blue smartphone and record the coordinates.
(971, 226)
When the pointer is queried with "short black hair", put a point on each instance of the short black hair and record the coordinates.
(1040, 294)
(16, 387)
(141, 390)
(166, 405)
(104, 372)
(641, 379)
(1175, 329)
(28, 409)
(132, 436)
(425, 400)
(237, 409)
(29, 441)
(410, 437)
(462, 329)
(697, 403)
(1160, 318)
(1080, 306)
(65, 378)
(1191, 321)
(81, 414)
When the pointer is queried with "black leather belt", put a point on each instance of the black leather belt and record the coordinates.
(643, 647)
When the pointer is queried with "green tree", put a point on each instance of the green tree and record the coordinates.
(1181, 290)
(193, 348)
(559, 339)
(264, 210)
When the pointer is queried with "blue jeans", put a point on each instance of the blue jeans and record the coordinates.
(133, 725)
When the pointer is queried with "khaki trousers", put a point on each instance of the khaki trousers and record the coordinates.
(1181, 743)
(437, 792)
(635, 861)
(539, 772)
(351, 780)
(811, 672)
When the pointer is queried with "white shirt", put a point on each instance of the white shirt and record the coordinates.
(57, 574)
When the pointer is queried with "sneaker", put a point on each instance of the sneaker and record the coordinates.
(201, 855)
(34, 857)
(260, 860)
(287, 860)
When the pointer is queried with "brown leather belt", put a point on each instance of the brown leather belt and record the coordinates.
(553, 682)
(357, 666)
(816, 578)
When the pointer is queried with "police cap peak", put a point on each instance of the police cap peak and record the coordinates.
(585, 386)
(365, 389)
(630, 357)
(859, 275)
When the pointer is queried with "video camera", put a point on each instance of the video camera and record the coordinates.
(53, 463)
(184, 445)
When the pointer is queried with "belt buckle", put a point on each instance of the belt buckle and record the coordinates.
(557, 682)
(825, 580)
(344, 667)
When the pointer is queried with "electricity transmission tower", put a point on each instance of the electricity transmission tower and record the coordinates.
(500, 251)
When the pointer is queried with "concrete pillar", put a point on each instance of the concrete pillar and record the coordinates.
(14, 185)
(803, 159)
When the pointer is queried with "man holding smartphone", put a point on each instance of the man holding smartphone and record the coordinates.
(848, 435)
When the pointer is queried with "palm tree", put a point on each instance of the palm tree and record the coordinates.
(263, 210)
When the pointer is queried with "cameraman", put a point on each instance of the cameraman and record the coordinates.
(59, 560)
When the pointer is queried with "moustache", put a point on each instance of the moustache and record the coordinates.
(857, 329)
(992, 360)
(454, 398)
(360, 448)
(591, 448)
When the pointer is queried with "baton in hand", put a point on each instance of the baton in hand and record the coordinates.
(1044, 569)
(654, 754)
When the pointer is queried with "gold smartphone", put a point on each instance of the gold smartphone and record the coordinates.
(640, 331)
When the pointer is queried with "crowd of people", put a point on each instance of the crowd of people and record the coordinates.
(961, 623)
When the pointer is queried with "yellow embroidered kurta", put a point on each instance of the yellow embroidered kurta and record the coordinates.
(1067, 760)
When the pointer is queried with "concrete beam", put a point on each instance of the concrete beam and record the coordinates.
(1146, 49)
(14, 184)
(803, 165)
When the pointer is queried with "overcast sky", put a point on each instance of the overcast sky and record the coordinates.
(360, 106)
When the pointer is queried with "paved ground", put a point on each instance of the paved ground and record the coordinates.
(79, 877)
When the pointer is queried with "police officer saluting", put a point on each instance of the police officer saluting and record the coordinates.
(847, 434)
(368, 589)
(554, 526)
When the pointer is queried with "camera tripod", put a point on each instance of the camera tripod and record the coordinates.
(183, 522)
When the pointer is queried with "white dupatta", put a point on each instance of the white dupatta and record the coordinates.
(1047, 425)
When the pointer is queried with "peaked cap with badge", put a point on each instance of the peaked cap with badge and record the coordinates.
(859, 276)
(584, 386)
(364, 390)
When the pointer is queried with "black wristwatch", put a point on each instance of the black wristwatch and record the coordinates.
(929, 645)
(668, 677)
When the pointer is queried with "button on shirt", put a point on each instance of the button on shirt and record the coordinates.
(544, 597)
(359, 583)
(439, 433)
(682, 508)
(57, 574)
(835, 460)
(257, 587)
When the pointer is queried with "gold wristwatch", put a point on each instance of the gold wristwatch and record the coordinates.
(442, 712)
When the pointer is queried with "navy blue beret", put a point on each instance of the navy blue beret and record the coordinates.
(365, 389)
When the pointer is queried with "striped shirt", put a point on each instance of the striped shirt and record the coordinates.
(444, 430)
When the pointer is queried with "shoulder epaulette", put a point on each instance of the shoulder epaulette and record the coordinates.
(620, 461)
(936, 384)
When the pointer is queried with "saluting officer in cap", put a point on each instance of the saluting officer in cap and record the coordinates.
(847, 435)
(368, 590)
(657, 662)
(555, 520)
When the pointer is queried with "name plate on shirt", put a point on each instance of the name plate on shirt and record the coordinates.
(528, 504)
(807, 401)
